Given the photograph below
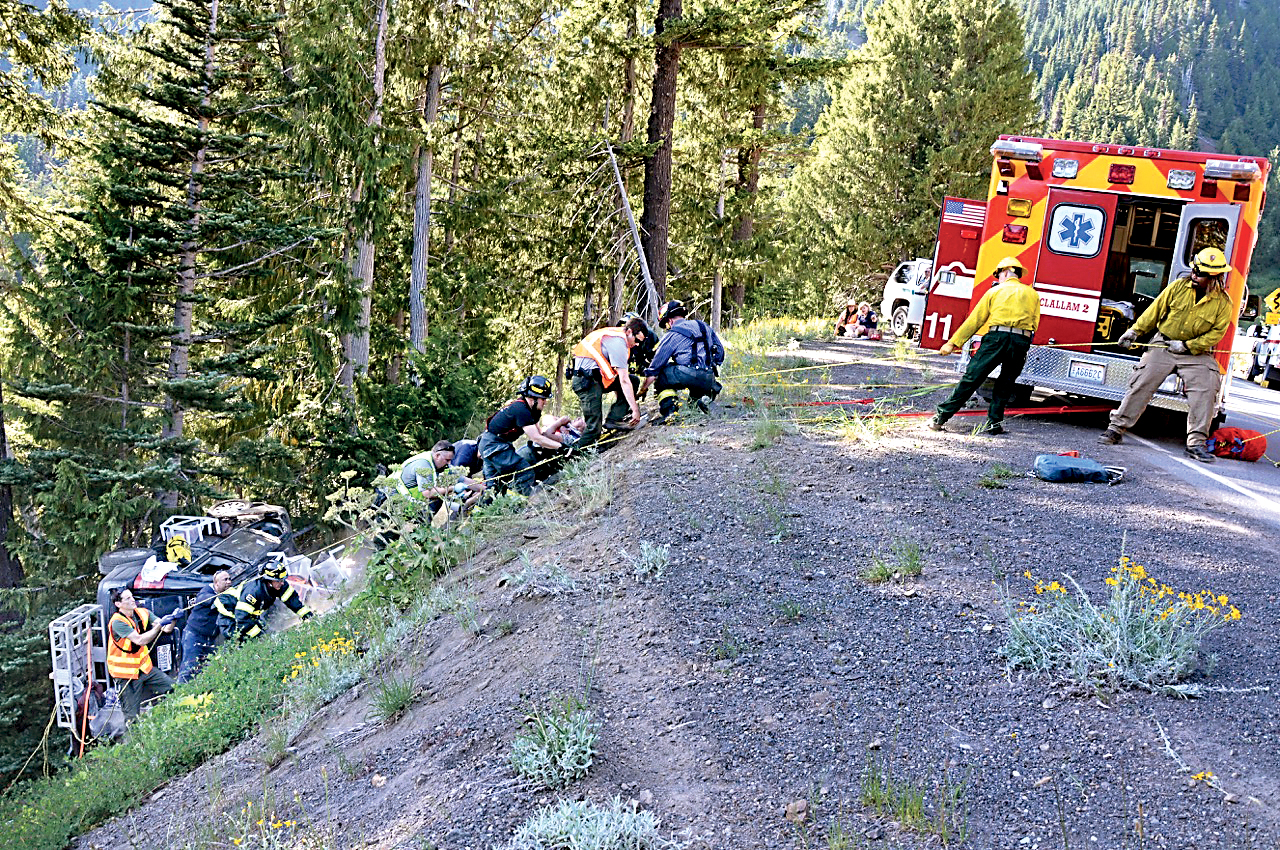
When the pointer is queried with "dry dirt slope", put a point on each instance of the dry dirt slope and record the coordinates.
(761, 670)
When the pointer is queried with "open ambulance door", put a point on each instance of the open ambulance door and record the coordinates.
(955, 262)
(1211, 226)
(1072, 263)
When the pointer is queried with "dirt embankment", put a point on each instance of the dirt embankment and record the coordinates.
(762, 670)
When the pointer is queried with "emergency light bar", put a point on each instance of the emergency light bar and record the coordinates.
(1027, 151)
(1228, 169)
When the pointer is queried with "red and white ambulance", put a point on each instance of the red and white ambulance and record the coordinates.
(1100, 230)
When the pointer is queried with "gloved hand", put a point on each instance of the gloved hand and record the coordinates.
(308, 614)
(168, 620)
(1127, 339)
(946, 350)
(1177, 346)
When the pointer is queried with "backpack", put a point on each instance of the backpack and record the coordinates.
(1076, 469)
(712, 352)
(1237, 443)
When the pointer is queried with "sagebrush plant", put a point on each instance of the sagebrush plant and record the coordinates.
(549, 578)
(557, 745)
(583, 825)
(1145, 634)
(650, 562)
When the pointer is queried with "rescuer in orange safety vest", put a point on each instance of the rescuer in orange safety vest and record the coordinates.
(1010, 312)
(130, 632)
(599, 367)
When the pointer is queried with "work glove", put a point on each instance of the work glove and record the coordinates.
(947, 349)
(1127, 339)
(168, 620)
(307, 615)
(1177, 346)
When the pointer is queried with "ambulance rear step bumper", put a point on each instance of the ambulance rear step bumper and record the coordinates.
(1104, 376)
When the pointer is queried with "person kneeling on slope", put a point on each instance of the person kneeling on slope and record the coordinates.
(504, 465)
(687, 358)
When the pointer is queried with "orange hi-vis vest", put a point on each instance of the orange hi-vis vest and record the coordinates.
(125, 659)
(591, 347)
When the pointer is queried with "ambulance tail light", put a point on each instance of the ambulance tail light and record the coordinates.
(1123, 174)
(1009, 149)
(1005, 167)
(1015, 233)
(1227, 169)
(1018, 207)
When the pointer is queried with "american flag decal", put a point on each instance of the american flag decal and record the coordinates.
(959, 212)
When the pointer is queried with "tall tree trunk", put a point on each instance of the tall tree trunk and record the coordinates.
(10, 566)
(618, 283)
(655, 221)
(430, 105)
(184, 305)
(396, 360)
(560, 353)
(717, 278)
(748, 185)
(356, 344)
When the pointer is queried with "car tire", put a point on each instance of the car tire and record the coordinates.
(109, 562)
(898, 321)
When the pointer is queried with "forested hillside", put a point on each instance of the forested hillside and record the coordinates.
(251, 247)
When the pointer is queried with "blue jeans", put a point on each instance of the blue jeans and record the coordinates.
(504, 466)
(194, 649)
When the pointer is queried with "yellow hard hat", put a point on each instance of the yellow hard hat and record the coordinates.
(1211, 261)
(1010, 263)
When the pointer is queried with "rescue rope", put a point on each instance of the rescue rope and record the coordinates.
(44, 744)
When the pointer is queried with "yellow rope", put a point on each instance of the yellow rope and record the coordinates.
(44, 739)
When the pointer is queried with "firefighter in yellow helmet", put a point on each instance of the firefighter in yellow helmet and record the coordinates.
(1010, 311)
(1189, 319)
(259, 594)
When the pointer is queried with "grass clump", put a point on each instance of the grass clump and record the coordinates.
(587, 484)
(651, 561)
(574, 825)
(394, 694)
(906, 561)
(557, 745)
(904, 801)
(1145, 634)
(995, 477)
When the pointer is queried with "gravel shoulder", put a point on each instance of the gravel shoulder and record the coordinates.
(761, 670)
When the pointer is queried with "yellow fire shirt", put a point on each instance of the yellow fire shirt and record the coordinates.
(1178, 315)
(1011, 304)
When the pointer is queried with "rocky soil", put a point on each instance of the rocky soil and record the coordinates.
(742, 696)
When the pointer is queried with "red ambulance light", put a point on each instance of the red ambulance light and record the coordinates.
(1005, 167)
(1208, 188)
(1121, 173)
(1015, 233)
(1241, 193)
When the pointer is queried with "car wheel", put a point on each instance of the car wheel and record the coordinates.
(898, 322)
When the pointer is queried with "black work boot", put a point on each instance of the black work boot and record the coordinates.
(1201, 454)
(993, 427)
(1110, 437)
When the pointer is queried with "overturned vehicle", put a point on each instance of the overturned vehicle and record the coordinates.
(238, 536)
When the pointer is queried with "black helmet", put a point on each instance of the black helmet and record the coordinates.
(535, 387)
(275, 570)
(669, 311)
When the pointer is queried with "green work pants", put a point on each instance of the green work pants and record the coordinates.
(591, 392)
(999, 348)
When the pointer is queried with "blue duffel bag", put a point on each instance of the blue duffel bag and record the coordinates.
(1073, 469)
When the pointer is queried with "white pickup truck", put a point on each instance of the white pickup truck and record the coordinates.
(904, 296)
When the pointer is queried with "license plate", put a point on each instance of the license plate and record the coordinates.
(1083, 370)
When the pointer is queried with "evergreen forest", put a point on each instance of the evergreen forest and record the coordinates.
(252, 249)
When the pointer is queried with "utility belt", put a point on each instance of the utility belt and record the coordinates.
(1016, 331)
(572, 373)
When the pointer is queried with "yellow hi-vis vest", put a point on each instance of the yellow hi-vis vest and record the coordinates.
(125, 659)
(591, 347)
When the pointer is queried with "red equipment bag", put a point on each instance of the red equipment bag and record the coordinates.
(1237, 443)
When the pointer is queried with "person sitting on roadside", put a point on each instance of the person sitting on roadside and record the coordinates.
(865, 322)
(848, 319)
(130, 633)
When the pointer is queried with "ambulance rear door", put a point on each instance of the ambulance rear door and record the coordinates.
(955, 262)
(1072, 264)
(1211, 226)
